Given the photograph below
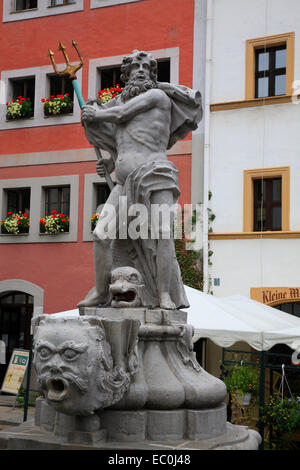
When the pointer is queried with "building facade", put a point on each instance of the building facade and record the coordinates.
(254, 143)
(254, 155)
(46, 163)
(242, 162)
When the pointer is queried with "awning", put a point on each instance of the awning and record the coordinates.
(226, 320)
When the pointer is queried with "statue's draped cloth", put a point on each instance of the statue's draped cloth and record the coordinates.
(138, 188)
(186, 112)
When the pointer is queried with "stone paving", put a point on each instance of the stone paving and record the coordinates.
(12, 416)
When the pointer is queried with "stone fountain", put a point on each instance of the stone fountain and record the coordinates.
(124, 374)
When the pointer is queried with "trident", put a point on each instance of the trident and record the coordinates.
(70, 72)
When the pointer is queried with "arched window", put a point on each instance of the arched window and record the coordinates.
(16, 310)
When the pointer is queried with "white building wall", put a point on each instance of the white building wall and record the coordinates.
(242, 264)
(250, 138)
(235, 21)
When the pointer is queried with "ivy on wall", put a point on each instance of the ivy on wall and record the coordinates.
(191, 261)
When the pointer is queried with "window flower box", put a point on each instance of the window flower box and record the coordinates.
(15, 224)
(54, 223)
(107, 94)
(94, 220)
(20, 108)
(57, 105)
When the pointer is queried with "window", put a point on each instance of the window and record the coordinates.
(60, 86)
(163, 70)
(20, 10)
(270, 66)
(106, 3)
(266, 199)
(270, 74)
(46, 194)
(267, 204)
(58, 199)
(102, 193)
(37, 83)
(110, 76)
(25, 4)
(56, 3)
(18, 200)
(24, 87)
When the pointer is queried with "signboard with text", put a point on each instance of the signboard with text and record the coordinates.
(275, 295)
(15, 371)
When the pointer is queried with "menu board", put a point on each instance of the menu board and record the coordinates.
(15, 372)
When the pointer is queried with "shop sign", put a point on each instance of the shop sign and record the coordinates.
(15, 372)
(273, 296)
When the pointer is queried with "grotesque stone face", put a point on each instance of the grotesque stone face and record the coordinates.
(125, 287)
(75, 366)
(65, 362)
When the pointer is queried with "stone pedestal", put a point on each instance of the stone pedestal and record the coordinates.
(169, 399)
(168, 376)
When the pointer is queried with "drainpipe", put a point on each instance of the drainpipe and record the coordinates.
(208, 61)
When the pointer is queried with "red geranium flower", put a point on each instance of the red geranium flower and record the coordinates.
(54, 212)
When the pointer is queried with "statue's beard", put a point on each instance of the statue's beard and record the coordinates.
(135, 87)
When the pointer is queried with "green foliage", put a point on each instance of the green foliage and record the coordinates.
(58, 104)
(188, 262)
(282, 415)
(242, 379)
(54, 223)
(211, 215)
(191, 261)
(15, 223)
(20, 400)
(19, 108)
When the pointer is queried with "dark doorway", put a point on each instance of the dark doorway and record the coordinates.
(15, 316)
